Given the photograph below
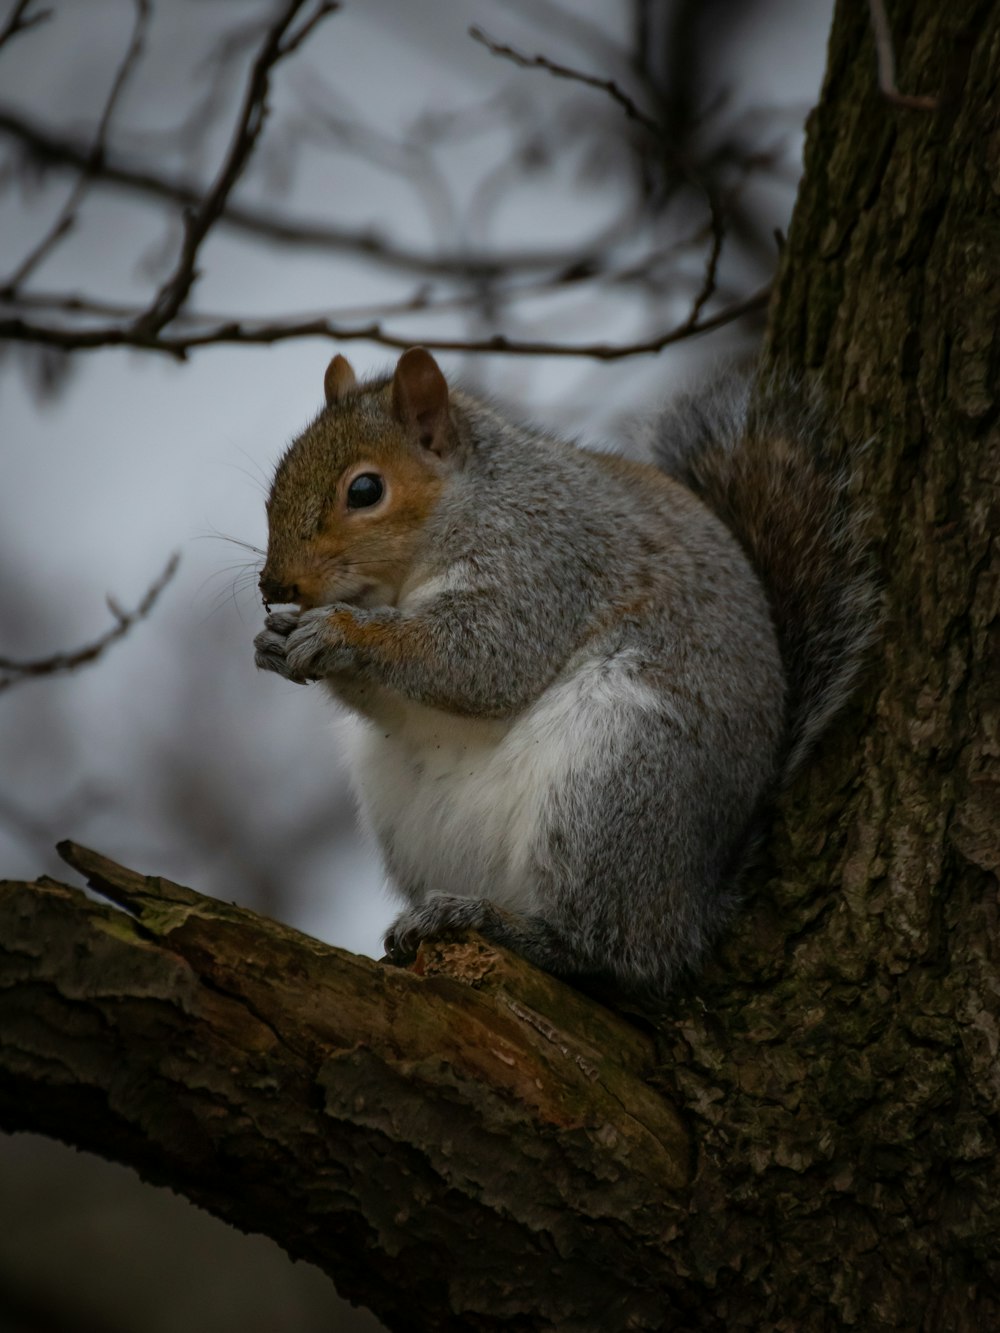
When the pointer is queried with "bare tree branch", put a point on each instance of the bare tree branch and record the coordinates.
(17, 21)
(422, 300)
(626, 250)
(179, 345)
(418, 1136)
(69, 661)
(565, 72)
(276, 45)
(710, 279)
(275, 226)
(295, 40)
(67, 215)
(682, 169)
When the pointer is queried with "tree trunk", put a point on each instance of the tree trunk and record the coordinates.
(809, 1140)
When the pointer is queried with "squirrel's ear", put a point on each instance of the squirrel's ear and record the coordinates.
(339, 379)
(420, 400)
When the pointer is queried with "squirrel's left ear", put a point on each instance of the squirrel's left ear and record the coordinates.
(339, 379)
(420, 400)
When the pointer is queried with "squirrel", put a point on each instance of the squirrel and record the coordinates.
(583, 678)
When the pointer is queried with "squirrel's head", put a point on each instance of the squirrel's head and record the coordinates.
(351, 496)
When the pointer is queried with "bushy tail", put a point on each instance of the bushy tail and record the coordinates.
(764, 458)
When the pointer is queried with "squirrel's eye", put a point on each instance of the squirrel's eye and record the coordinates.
(364, 491)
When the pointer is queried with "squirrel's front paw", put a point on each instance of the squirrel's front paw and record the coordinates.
(316, 646)
(271, 645)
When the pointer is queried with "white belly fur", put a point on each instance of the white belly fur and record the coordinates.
(458, 803)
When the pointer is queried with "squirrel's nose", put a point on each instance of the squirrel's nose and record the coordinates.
(273, 591)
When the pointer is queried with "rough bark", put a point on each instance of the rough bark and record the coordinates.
(809, 1141)
(466, 1150)
(842, 1075)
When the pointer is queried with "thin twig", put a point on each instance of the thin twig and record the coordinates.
(18, 23)
(67, 215)
(566, 72)
(275, 227)
(179, 345)
(69, 661)
(612, 89)
(421, 301)
(323, 10)
(220, 70)
(887, 63)
(174, 291)
(710, 279)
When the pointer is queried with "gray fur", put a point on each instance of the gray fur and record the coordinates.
(595, 631)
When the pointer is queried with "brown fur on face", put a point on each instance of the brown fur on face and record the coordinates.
(320, 551)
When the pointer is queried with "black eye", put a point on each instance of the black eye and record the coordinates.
(364, 491)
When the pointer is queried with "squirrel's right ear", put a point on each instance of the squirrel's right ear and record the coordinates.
(420, 400)
(339, 379)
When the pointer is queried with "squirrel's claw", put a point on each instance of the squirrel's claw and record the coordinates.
(398, 948)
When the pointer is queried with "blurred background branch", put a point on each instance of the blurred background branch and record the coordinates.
(683, 156)
(17, 672)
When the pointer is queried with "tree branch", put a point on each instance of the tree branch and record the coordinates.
(476, 1143)
(266, 225)
(18, 20)
(69, 661)
(276, 45)
(67, 214)
(607, 86)
(180, 344)
(682, 168)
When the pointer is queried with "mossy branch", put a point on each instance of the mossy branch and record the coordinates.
(423, 1138)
